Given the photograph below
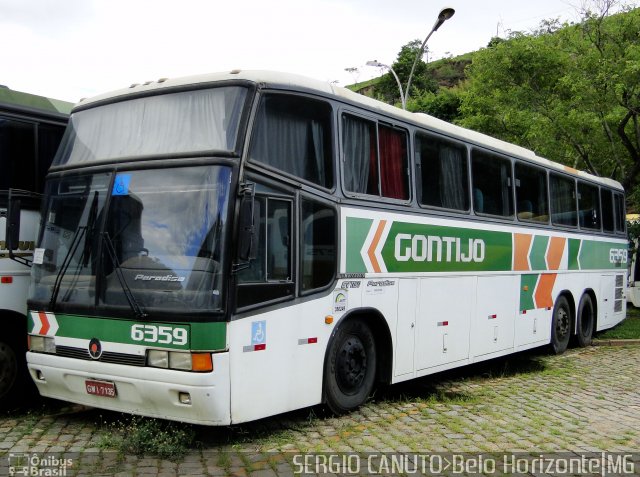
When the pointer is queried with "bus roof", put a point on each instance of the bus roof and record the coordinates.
(33, 103)
(297, 82)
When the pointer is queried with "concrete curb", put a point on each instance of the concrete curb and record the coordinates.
(616, 342)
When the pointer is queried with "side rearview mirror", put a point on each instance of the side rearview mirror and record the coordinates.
(12, 234)
(246, 225)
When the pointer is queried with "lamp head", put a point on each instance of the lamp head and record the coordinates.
(443, 16)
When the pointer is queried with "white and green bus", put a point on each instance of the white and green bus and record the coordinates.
(221, 248)
(31, 128)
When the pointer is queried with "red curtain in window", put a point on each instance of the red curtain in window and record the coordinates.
(372, 183)
(393, 168)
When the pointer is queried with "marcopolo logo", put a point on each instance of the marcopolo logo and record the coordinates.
(430, 248)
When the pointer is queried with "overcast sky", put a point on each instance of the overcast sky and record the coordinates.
(69, 49)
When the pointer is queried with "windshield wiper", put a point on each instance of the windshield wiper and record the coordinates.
(75, 242)
(140, 314)
(83, 261)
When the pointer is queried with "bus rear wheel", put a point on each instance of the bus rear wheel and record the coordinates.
(561, 326)
(350, 367)
(586, 321)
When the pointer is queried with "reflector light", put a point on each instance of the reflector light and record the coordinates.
(313, 340)
(6, 280)
(260, 347)
(328, 319)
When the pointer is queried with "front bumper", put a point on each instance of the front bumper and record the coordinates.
(144, 391)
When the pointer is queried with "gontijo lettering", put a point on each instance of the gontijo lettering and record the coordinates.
(421, 248)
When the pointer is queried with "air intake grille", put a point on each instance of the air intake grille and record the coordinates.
(107, 356)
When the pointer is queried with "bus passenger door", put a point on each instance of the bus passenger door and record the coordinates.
(444, 316)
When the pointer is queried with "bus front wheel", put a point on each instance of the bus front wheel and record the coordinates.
(350, 367)
(586, 321)
(561, 325)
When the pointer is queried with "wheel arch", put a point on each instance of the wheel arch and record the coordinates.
(594, 301)
(382, 335)
(572, 306)
(13, 325)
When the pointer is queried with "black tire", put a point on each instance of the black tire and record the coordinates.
(586, 320)
(8, 374)
(16, 386)
(561, 326)
(350, 367)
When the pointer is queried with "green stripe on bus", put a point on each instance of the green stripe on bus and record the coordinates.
(527, 290)
(598, 255)
(538, 252)
(357, 231)
(430, 248)
(203, 336)
(574, 249)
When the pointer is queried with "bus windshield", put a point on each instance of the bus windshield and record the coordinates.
(187, 122)
(148, 241)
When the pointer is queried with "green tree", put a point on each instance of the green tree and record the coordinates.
(443, 104)
(387, 87)
(572, 94)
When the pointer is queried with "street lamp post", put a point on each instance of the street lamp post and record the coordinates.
(382, 65)
(443, 16)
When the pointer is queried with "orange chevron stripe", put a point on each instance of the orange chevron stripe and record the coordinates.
(554, 254)
(45, 323)
(371, 252)
(544, 289)
(522, 243)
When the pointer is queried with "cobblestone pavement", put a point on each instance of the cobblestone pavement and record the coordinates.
(585, 401)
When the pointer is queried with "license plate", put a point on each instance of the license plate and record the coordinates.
(100, 388)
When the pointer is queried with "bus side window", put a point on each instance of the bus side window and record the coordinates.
(317, 245)
(589, 206)
(492, 184)
(606, 200)
(531, 193)
(293, 134)
(563, 200)
(618, 200)
(442, 168)
(17, 154)
(268, 277)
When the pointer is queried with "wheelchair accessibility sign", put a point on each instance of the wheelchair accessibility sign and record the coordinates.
(258, 336)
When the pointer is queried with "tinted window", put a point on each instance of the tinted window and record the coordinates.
(268, 276)
(293, 134)
(17, 154)
(491, 184)
(618, 200)
(563, 200)
(531, 193)
(375, 159)
(360, 156)
(317, 245)
(606, 198)
(589, 206)
(442, 167)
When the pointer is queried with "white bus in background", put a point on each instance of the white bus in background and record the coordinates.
(633, 283)
(31, 128)
(222, 248)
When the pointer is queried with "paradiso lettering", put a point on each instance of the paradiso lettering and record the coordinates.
(420, 248)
